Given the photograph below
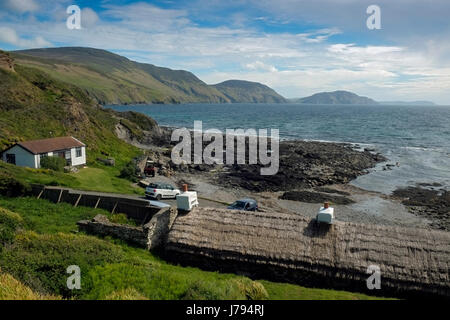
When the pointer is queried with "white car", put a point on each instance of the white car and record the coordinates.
(161, 190)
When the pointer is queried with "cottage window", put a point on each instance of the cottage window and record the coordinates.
(78, 152)
(11, 158)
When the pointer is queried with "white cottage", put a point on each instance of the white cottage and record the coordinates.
(30, 153)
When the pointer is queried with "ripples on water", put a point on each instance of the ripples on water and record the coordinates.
(418, 137)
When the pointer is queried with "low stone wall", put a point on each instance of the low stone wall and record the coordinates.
(135, 208)
(101, 226)
(151, 236)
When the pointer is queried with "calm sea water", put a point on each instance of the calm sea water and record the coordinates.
(418, 137)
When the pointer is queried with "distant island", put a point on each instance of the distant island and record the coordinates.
(347, 97)
(335, 97)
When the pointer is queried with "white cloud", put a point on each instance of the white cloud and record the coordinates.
(258, 65)
(21, 6)
(10, 36)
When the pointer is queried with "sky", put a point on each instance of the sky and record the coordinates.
(297, 47)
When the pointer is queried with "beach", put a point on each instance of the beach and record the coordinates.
(310, 174)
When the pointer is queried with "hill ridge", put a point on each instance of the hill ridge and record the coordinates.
(113, 79)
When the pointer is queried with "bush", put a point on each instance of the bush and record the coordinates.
(121, 218)
(53, 163)
(41, 261)
(130, 172)
(11, 289)
(11, 187)
(253, 290)
(9, 223)
(126, 294)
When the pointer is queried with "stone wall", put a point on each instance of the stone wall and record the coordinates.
(151, 236)
(158, 228)
(101, 226)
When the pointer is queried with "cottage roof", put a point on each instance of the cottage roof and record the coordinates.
(49, 145)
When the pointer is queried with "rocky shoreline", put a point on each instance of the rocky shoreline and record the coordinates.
(427, 200)
(309, 173)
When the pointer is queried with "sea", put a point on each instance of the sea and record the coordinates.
(415, 137)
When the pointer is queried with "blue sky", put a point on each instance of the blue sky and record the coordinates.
(298, 47)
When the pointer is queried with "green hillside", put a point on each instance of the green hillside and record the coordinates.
(335, 97)
(249, 92)
(113, 79)
(33, 105)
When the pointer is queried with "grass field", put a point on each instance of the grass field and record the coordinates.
(98, 178)
(44, 244)
(104, 180)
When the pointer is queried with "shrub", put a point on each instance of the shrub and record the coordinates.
(11, 289)
(11, 187)
(9, 223)
(121, 218)
(126, 294)
(130, 172)
(53, 163)
(253, 290)
(41, 261)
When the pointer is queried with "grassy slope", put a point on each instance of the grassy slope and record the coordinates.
(246, 91)
(112, 79)
(33, 105)
(12, 289)
(114, 270)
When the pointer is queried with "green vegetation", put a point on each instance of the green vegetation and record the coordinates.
(14, 180)
(122, 218)
(293, 292)
(130, 172)
(112, 79)
(250, 92)
(104, 179)
(53, 163)
(45, 217)
(335, 97)
(10, 186)
(11, 289)
(9, 223)
(41, 247)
